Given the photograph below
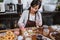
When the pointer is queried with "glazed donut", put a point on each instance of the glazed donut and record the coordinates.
(9, 32)
(1, 38)
(9, 36)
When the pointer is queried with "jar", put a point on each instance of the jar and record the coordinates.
(45, 30)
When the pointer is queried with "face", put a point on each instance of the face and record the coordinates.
(34, 9)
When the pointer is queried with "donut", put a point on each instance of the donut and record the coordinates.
(9, 35)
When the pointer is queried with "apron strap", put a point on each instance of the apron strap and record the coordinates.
(29, 16)
(38, 15)
(35, 16)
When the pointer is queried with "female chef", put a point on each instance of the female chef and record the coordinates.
(31, 17)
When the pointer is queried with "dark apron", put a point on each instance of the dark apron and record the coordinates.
(31, 23)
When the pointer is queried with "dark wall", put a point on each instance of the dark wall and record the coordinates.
(51, 18)
(56, 18)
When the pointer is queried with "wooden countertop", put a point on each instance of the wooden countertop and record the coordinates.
(33, 36)
(8, 30)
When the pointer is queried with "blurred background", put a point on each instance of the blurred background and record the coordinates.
(11, 10)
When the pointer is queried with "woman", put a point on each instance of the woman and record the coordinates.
(31, 17)
(26, 4)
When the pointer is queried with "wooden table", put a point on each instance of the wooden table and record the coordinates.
(38, 31)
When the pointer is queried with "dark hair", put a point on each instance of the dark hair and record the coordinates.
(35, 3)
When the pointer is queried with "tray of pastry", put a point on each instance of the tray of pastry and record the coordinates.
(7, 35)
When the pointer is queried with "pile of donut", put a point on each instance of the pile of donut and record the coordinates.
(9, 36)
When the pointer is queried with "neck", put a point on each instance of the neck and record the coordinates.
(31, 12)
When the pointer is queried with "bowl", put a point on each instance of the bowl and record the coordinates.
(49, 7)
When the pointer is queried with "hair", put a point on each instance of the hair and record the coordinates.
(35, 3)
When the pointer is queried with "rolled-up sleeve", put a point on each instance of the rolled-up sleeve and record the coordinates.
(40, 19)
(21, 20)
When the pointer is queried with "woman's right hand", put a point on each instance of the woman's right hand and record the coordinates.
(22, 29)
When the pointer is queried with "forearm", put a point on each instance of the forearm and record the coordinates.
(40, 24)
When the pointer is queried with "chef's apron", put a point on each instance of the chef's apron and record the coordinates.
(31, 23)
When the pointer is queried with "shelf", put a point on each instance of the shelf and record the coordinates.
(12, 12)
(4, 13)
(7, 30)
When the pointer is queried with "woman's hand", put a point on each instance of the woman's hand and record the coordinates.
(22, 28)
(38, 23)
